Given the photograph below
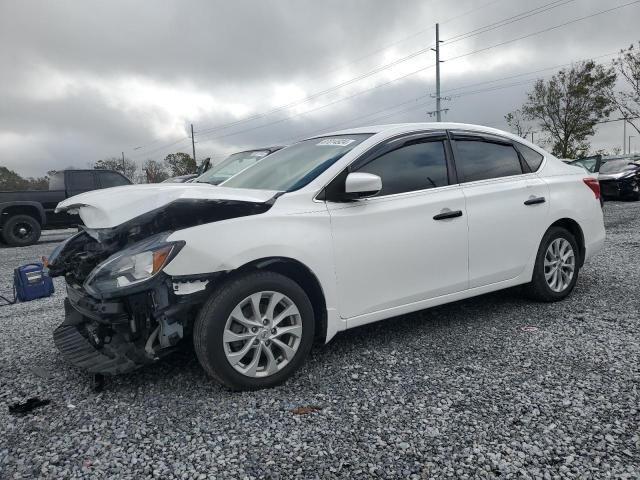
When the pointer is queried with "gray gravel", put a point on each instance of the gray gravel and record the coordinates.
(492, 387)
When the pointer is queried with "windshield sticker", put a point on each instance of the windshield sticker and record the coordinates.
(336, 142)
(259, 154)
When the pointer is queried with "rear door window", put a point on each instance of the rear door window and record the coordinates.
(79, 182)
(481, 160)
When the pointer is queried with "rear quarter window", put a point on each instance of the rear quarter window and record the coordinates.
(531, 157)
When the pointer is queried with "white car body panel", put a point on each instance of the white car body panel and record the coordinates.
(383, 256)
(399, 227)
(110, 207)
(504, 233)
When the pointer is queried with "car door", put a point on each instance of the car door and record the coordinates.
(507, 206)
(407, 243)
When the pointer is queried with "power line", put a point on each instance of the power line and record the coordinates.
(553, 67)
(348, 82)
(509, 20)
(359, 59)
(543, 30)
(377, 70)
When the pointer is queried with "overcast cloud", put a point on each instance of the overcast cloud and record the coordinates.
(84, 80)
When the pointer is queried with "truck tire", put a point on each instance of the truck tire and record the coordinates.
(273, 341)
(21, 230)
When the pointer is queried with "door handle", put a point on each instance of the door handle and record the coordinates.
(449, 214)
(534, 201)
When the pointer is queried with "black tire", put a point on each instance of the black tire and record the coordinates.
(210, 324)
(21, 230)
(538, 289)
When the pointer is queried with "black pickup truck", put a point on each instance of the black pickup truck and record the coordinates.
(24, 214)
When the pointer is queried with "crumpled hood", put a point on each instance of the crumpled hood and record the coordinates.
(111, 207)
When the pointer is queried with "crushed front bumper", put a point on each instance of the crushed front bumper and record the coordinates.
(77, 344)
(120, 335)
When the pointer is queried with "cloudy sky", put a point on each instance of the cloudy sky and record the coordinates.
(84, 80)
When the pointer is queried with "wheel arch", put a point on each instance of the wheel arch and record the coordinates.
(33, 209)
(303, 276)
(576, 230)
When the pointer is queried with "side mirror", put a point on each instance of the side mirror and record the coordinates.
(362, 185)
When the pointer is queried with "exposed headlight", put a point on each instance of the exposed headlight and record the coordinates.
(132, 266)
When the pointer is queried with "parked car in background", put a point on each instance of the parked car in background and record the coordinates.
(180, 178)
(590, 164)
(234, 164)
(23, 214)
(620, 179)
(330, 233)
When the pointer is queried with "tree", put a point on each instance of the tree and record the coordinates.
(569, 105)
(628, 101)
(10, 180)
(155, 171)
(518, 124)
(115, 163)
(180, 164)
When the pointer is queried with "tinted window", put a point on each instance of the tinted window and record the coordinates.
(81, 181)
(531, 157)
(477, 160)
(110, 179)
(409, 168)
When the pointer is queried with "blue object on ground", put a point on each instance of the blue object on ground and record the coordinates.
(31, 282)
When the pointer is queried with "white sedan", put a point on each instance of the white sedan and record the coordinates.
(333, 232)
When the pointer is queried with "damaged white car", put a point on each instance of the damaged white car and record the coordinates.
(331, 233)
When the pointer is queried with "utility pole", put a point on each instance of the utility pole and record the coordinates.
(193, 143)
(438, 111)
(624, 136)
(124, 172)
(630, 137)
(531, 136)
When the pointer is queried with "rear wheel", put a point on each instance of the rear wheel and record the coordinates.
(21, 230)
(255, 331)
(556, 269)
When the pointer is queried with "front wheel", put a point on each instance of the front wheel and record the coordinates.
(556, 269)
(255, 331)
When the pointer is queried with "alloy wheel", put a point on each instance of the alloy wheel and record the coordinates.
(559, 264)
(262, 334)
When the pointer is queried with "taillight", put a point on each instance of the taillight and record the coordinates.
(594, 185)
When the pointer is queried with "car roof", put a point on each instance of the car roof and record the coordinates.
(400, 128)
(410, 127)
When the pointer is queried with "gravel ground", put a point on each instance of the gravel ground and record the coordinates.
(492, 387)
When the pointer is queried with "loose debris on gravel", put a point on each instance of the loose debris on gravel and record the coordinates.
(491, 387)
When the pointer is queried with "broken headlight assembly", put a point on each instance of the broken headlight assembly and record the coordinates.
(132, 266)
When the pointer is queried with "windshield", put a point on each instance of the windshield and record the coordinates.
(231, 165)
(295, 166)
(616, 166)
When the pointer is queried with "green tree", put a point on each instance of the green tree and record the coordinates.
(627, 101)
(115, 163)
(11, 181)
(180, 164)
(155, 171)
(518, 124)
(569, 105)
